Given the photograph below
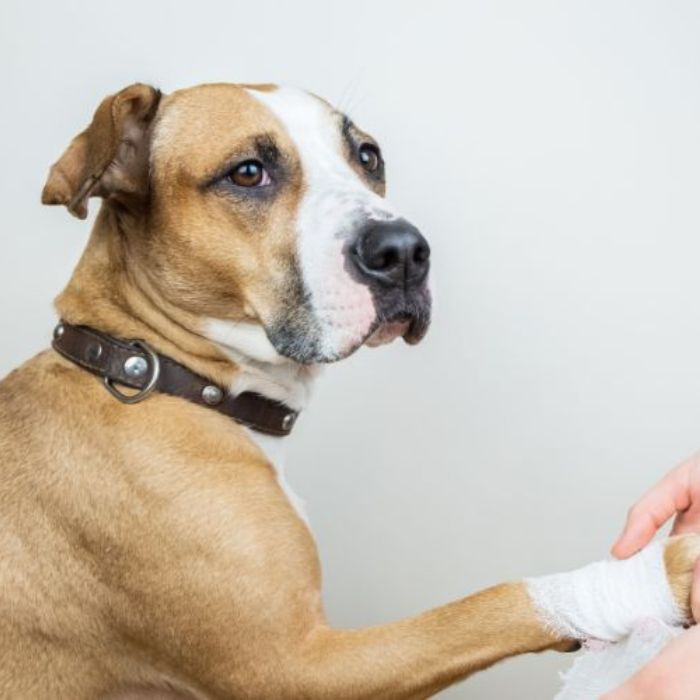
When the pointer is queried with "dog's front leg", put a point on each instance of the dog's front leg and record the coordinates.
(417, 657)
(412, 658)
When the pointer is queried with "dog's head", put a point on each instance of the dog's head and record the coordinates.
(259, 210)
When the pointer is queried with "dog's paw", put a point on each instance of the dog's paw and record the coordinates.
(606, 600)
(680, 556)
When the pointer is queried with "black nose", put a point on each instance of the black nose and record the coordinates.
(393, 253)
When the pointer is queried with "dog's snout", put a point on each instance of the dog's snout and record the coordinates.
(393, 253)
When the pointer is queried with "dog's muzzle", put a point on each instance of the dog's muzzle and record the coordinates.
(377, 292)
(393, 259)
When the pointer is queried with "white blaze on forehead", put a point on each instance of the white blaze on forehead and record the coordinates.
(334, 205)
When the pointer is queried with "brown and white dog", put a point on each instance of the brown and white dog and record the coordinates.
(152, 550)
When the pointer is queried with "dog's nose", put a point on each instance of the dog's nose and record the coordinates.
(394, 253)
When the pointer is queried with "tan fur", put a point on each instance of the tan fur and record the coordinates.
(148, 550)
(680, 557)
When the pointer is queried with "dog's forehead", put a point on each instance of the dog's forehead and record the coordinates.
(316, 130)
(200, 125)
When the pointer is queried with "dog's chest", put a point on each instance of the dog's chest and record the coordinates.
(274, 449)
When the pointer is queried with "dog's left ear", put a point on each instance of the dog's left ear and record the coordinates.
(110, 158)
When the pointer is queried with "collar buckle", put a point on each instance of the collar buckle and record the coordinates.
(135, 364)
(136, 367)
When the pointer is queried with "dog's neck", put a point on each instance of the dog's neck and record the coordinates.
(111, 291)
(261, 368)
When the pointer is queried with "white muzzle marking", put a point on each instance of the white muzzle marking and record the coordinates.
(335, 200)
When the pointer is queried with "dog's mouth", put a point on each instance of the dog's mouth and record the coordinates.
(410, 323)
(300, 337)
(387, 333)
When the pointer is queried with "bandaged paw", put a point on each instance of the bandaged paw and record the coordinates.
(603, 666)
(605, 600)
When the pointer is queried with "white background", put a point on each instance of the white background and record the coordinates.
(550, 153)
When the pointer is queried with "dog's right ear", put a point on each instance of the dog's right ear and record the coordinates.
(110, 158)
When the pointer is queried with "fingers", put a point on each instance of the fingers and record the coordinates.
(670, 496)
(640, 528)
(687, 523)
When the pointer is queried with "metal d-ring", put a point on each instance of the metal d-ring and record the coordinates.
(153, 361)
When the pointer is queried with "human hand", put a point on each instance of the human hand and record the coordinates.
(678, 493)
(673, 675)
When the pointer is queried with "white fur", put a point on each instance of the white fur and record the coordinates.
(335, 201)
(265, 371)
(248, 339)
(262, 368)
(275, 449)
(607, 599)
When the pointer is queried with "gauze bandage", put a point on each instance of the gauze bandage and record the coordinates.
(603, 666)
(627, 604)
(606, 599)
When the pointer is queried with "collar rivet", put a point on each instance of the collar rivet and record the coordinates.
(212, 395)
(94, 351)
(288, 421)
(136, 367)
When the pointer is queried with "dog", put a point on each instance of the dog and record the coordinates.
(150, 545)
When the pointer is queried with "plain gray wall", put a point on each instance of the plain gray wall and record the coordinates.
(550, 152)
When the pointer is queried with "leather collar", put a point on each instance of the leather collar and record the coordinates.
(134, 364)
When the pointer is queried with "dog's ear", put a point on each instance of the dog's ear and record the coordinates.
(110, 158)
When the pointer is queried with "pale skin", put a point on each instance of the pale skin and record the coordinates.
(675, 673)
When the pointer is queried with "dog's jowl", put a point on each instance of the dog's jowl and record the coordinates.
(150, 547)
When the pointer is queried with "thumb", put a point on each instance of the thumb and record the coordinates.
(669, 496)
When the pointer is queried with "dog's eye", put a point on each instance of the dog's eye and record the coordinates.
(369, 157)
(250, 173)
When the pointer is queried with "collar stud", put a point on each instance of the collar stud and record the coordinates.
(212, 395)
(136, 367)
(288, 421)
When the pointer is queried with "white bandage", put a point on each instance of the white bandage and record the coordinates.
(606, 599)
(603, 666)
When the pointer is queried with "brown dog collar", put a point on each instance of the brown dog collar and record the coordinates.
(134, 364)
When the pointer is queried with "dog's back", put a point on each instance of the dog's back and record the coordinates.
(104, 510)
